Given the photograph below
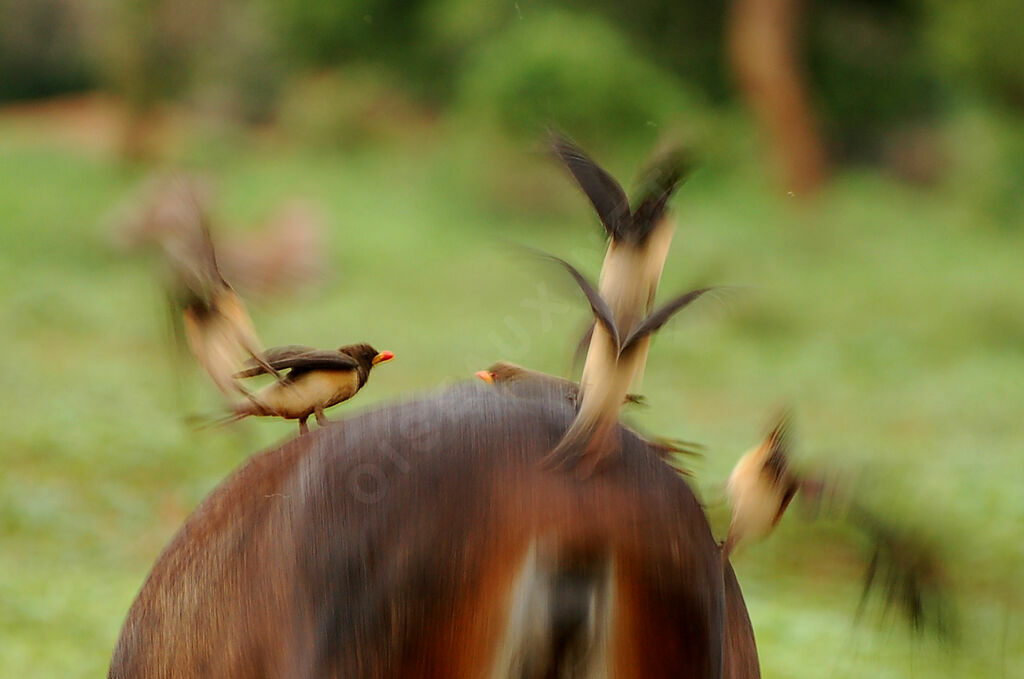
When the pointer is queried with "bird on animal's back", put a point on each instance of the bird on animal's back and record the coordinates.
(316, 380)
(525, 383)
(521, 381)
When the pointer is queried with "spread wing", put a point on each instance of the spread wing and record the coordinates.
(662, 178)
(602, 313)
(298, 357)
(605, 194)
(660, 317)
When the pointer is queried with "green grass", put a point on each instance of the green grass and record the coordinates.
(893, 319)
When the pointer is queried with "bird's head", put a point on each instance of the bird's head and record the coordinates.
(502, 371)
(366, 354)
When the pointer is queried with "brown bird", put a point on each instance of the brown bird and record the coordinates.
(760, 488)
(639, 243)
(639, 240)
(217, 324)
(592, 433)
(908, 570)
(316, 380)
(526, 382)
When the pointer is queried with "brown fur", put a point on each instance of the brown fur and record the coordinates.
(388, 545)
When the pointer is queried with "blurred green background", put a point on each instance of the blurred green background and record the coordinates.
(883, 298)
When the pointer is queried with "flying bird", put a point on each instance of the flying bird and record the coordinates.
(620, 353)
(217, 325)
(316, 380)
(639, 240)
(760, 487)
(282, 256)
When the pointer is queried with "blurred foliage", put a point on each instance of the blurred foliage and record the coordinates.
(877, 68)
(869, 72)
(980, 46)
(42, 48)
(573, 70)
(347, 108)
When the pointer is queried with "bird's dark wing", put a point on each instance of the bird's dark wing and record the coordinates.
(273, 357)
(316, 360)
(909, 573)
(660, 317)
(780, 442)
(605, 194)
(602, 312)
(659, 182)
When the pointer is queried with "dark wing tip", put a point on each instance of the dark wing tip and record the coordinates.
(661, 316)
(602, 313)
(604, 192)
(908, 574)
(659, 181)
(780, 442)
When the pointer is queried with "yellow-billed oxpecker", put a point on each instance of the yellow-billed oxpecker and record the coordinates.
(316, 380)
(592, 434)
(639, 242)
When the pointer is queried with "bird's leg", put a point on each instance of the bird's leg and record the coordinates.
(321, 419)
(303, 427)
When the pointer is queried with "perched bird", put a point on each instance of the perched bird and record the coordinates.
(761, 487)
(592, 433)
(639, 242)
(526, 382)
(316, 380)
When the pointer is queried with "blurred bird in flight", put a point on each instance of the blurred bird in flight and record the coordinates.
(761, 487)
(639, 242)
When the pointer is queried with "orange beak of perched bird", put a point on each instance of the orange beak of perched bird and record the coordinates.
(486, 375)
(383, 357)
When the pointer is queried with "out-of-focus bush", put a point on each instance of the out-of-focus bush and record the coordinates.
(326, 32)
(987, 150)
(222, 54)
(43, 47)
(574, 72)
(346, 108)
(980, 47)
(242, 72)
(868, 73)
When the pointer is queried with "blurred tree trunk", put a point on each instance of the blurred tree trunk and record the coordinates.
(763, 53)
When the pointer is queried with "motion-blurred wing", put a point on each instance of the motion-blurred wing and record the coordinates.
(604, 193)
(661, 316)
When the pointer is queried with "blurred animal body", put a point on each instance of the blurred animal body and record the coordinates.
(316, 381)
(639, 243)
(424, 540)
